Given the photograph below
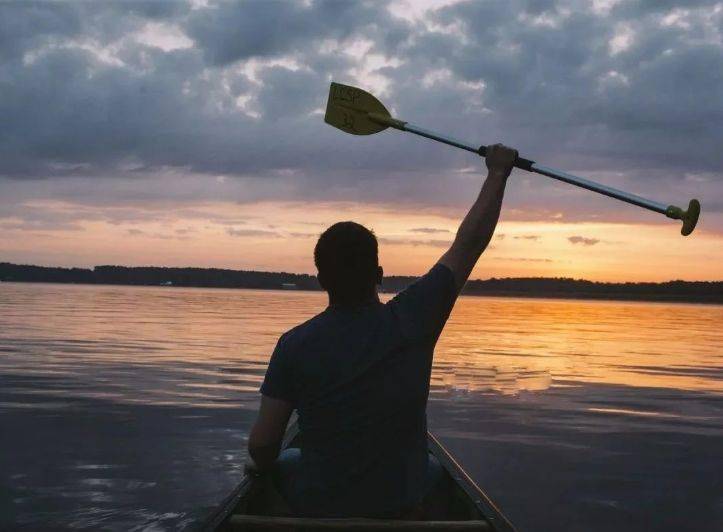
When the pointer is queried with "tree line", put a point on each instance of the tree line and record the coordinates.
(691, 291)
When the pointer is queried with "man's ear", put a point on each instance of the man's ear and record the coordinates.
(380, 274)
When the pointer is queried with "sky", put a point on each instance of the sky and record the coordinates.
(192, 134)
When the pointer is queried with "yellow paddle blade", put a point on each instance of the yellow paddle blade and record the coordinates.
(349, 109)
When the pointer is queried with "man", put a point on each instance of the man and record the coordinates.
(358, 373)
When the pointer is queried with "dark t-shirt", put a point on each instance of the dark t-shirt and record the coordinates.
(359, 379)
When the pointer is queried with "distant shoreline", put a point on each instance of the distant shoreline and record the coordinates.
(534, 287)
(645, 298)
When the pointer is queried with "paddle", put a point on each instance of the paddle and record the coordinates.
(357, 112)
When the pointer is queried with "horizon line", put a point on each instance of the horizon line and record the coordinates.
(92, 268)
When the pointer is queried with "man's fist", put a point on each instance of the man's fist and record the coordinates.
(500, 159)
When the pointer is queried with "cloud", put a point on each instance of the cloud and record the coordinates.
(227, 32)
(178, 234)
(437, 243)
(525, 259)
(16, 216)
(534, 238)
(39, 226)
(429, 230)
(627, 94)
(584, 241)
(251, 232)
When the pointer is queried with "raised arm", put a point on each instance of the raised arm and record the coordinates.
(478, 226)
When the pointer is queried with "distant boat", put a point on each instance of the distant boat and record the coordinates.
(288, 286)
(166, 283)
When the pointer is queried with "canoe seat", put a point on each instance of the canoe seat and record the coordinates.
(262, 522)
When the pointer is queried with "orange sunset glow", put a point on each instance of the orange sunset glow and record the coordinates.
(281, 236)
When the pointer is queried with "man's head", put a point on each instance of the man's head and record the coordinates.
(346, 256)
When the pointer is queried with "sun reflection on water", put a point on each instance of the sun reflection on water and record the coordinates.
(202, 346)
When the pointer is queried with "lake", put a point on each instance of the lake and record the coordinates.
(128, 408)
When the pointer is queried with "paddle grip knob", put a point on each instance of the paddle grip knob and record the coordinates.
(689, 217)
(521, 162)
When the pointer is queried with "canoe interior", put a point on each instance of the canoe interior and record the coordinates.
(457, 504)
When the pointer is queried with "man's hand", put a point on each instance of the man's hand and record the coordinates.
(500, 160)
(250, 466)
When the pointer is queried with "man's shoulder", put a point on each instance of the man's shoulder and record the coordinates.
(297, 336)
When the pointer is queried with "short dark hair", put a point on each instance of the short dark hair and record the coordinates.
(346, 256)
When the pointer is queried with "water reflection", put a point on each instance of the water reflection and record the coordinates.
(533, 342)
(130, 406)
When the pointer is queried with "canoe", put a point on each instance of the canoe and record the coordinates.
(254, 505)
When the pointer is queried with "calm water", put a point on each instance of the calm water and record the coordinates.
(126, 408)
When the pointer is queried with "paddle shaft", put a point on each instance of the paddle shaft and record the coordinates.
(532, 166)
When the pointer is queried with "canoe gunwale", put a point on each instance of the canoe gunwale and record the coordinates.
(480, 499)
(225, 509)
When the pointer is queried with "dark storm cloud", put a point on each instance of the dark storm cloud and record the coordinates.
(630, 94)
(638, 7)
(27, 25)
(655, 102)
(231, 31)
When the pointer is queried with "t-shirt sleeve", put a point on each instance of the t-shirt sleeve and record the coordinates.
(278, 382)
(423, 307)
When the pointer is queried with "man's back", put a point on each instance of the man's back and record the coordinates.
(359, 374)
(359, 378)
